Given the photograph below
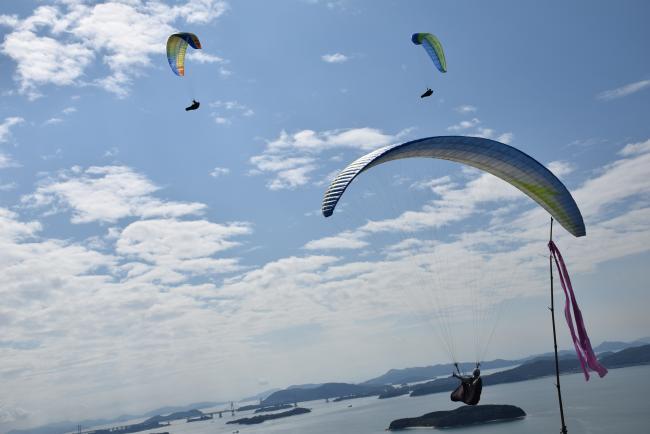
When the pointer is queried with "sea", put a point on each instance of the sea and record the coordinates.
(616, 404)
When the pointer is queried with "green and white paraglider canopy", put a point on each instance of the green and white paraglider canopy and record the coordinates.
(501, 160)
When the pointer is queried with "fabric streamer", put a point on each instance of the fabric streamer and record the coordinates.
(581, 342)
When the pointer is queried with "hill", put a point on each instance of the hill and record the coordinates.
(422, 373)
(541, 367)
(327, 390)
(462, 416)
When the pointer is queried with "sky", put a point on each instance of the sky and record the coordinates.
(151, 256)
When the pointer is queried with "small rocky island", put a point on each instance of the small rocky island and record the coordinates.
(273, 408)
(465, 415)
(262, 417)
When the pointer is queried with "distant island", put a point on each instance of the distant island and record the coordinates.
(392, 392)
(628, 354)
(273, 408)
(462, 416)
(539, 368)
(413, 375)
(263, 417)
(335, 391)
(249, 407)
(530, 369)
(423, 373)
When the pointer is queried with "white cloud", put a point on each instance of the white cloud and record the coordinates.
(621, 180)
(453, 204)
(201, 57)
(560, 168)
(622, 91)
(14, 230)
(105, 194)
(463, 125)
(291, 157)
(9, 20)
(112, 152)
(228, 105)
(505, 138)
(9, 186)
(52, 121)
(11, 413)
(635, 148)
(42, 60)
(291, 177)
(57, 43)
(489, 133)
(314, 142)
(431, 183)
(5, 127)
(6, 161)
(335, 58)
(181, 246)
(232, 107)
(480, 131)
(219, 171)
(201, 11)
(69, 110)
(465, 109)
(344, 240)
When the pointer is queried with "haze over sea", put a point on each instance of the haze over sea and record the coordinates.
(615, 404)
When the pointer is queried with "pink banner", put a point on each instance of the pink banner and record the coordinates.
(581, 342)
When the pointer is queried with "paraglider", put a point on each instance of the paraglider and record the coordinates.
(427, 93)
(470, 387)
(433, 47)
(499, 159)
(176, 48)
(194, 106)
(519, 170)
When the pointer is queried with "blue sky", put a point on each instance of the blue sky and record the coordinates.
(152, 256)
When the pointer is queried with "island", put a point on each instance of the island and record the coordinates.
(263, 417)
(321, 391)
(392, 392)
(273, 408)
(465, 415)
(249, 407)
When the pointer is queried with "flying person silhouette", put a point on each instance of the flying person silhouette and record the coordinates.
(470, 388)
(194, 106)
(427, 93)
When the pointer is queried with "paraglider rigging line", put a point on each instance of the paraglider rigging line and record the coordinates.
(557, 365)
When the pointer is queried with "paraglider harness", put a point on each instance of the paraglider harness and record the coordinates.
(194, 106)
(427, 93)
(470, 387)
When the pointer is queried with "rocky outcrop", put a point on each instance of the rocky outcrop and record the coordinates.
(465, 415)
(262, 417)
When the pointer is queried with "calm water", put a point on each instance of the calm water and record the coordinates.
(616, 404)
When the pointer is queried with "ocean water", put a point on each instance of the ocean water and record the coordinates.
(616, 404)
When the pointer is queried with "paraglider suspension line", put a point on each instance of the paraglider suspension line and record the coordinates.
(557, 364)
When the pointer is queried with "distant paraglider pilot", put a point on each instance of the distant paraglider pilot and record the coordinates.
(469, 390)
(194, 106)
(426, 93)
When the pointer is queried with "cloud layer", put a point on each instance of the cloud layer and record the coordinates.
(58, 43)
(623, 91)
(292, 158)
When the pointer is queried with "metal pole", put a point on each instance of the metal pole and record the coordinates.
(557, 364)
